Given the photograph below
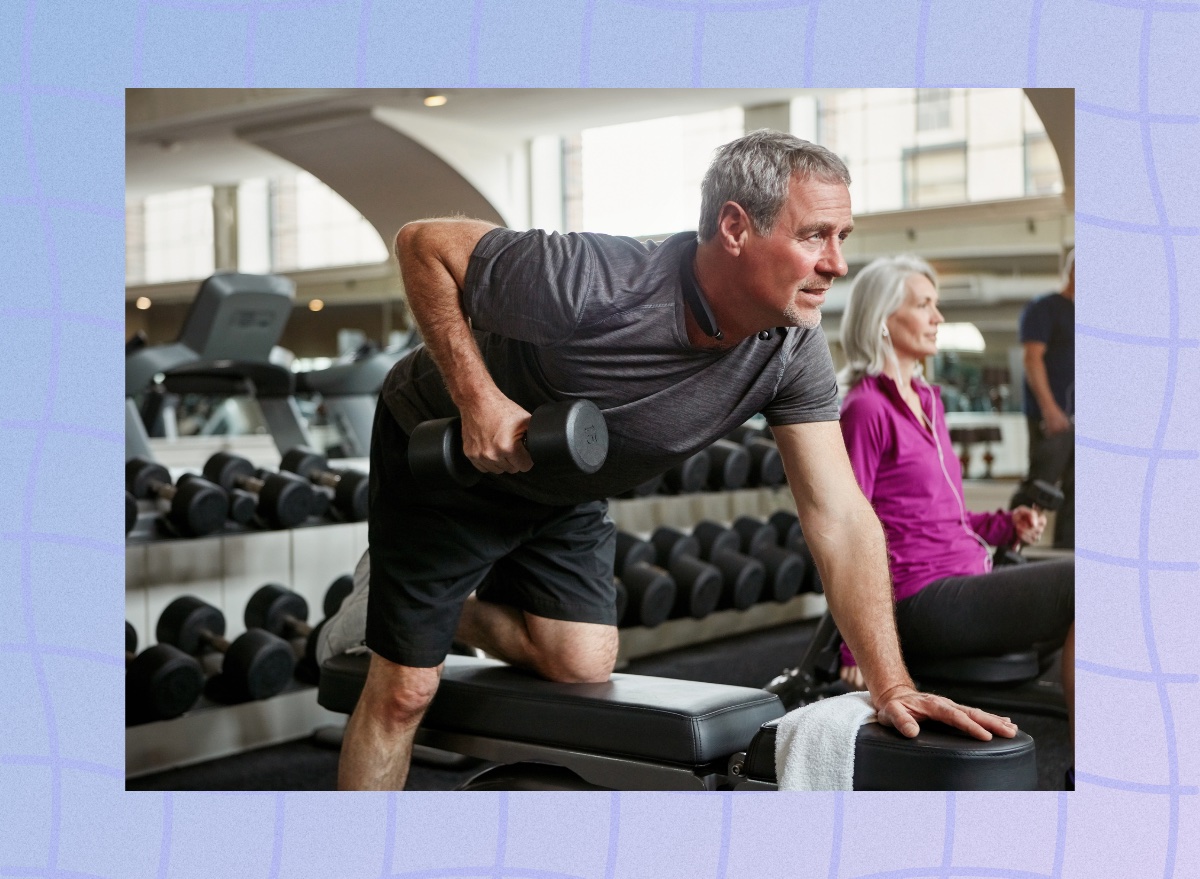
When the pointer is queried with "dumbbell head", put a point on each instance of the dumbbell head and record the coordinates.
(689, 475)
(258, 665)
(143, 476)
(787, 527)
(436, 458)
(569, 434)
(754, 534)
(730, 466)
(1044, 495)
(785, 572)
(651, 594)
(130, 638)
(304, 462)
(697, 587)
(198, 508)
(766, 468)
(715, 538)
(671, 544)
(162, 682)
(336, 594)
(275, 609)
(285, 500)
(631, 550)
(351, 495)
(744, 578)
(187, 623)
(226, 470)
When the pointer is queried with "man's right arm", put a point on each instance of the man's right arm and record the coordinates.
(433, 257)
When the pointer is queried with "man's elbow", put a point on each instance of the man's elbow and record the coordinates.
(407, 237)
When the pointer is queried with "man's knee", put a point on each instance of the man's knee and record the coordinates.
(586, 657)
(398, 695)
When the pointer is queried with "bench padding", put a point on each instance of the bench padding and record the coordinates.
(939, 758)
(660, 719)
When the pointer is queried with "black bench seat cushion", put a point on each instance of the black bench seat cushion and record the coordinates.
(939, 758)
(636, 716)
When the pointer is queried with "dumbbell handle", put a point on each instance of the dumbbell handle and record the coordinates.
(252, 484)
(217, 642)
(300, 628)
(164, 490)
(328, 478)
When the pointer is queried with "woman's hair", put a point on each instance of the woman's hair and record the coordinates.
(878, 291)
(754, 171)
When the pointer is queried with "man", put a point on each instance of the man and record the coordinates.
(1047, 333)
(677, 344)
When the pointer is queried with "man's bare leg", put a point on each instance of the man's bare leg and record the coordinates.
(377, 747)
(556, 649)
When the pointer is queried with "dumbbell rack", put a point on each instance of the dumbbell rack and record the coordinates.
(226, 569)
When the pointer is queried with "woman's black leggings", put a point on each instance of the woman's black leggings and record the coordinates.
(1015, 607)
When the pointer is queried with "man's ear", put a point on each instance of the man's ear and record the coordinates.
(733, 227)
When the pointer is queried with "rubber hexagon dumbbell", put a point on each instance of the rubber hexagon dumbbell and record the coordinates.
(568, 435)
(350, 487)
(256, 665)
(195, 508)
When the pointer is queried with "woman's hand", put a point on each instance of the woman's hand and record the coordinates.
(1029, 524)
(852, 677)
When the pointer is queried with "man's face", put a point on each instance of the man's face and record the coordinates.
(788, 271)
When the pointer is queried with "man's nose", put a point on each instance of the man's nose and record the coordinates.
(832, 262)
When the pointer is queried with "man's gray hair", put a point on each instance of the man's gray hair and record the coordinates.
(1068, 264)
(754, 171)
(878, 291)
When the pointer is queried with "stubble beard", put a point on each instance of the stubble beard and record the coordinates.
(808, 319)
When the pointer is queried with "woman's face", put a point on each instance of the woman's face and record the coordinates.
(913, 326)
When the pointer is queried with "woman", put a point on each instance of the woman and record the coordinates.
(949, 601)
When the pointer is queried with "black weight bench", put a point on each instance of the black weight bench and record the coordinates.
(637, 732)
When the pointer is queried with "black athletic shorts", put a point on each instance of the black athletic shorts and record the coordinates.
(431, 549)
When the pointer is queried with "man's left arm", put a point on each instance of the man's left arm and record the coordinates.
(848, 546)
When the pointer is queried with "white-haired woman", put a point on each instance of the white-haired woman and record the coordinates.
(949, 601)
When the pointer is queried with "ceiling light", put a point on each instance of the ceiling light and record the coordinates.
(435, 100)
(960, 337)
(143, 302)
(315, 305)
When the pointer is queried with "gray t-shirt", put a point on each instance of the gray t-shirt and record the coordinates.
(597, 317)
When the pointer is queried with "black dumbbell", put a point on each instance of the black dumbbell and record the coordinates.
(1042, 496)
(280, 611)
(730, 466)
(257, 665)
(195, 508)
(787, 528)
(630, 550)
(161, 682)
(131, 511)
(785, 570)
(241, 503)
(743, 576)
(698, 584)
(282, 501)
(568, 435)
(350, 487)
(651, 594)
(690, 475)
(766, 464)
(319, 501)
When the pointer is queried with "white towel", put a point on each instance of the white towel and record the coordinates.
(814, 745)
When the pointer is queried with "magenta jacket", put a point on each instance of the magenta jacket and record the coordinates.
(915, 485)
